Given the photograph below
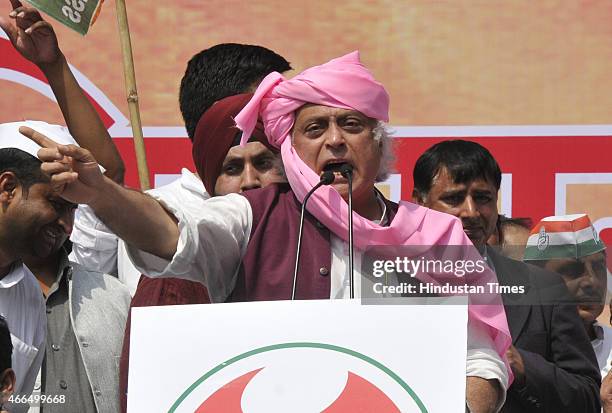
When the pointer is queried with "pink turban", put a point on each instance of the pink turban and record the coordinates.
(345, 83)
(341, 83)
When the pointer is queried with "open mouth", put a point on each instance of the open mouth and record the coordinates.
(335, 165)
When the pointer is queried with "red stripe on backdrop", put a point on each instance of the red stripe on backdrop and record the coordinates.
(164, 156)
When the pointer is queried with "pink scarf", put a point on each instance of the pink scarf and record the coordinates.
(345, 83)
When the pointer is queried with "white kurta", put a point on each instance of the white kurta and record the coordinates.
(22, 304)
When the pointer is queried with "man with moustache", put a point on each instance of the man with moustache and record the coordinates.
(570, 246)
(24, 230)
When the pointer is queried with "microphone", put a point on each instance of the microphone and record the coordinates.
(347, 171)
(327, 178)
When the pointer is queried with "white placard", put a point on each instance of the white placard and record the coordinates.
(302, 356)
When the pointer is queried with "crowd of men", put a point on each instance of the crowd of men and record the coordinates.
(260, 143)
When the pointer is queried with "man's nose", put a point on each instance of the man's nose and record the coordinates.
(249, 178)
(590, 278)
(334, 136)
(469, 208)
(66, 220)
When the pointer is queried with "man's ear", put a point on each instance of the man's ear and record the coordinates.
(8, 185)
(7, 384)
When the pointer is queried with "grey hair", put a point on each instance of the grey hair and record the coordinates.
(383, 135)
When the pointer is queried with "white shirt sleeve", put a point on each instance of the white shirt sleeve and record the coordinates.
(29, 380)
(128, 274)
(213, 236)
(483, 360)
(94, 246)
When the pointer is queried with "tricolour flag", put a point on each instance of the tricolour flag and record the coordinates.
(79, 15)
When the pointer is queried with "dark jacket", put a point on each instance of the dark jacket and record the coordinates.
(560, 365)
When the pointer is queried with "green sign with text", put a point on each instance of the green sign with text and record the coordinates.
(79, 15)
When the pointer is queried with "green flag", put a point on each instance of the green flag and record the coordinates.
(79, 15)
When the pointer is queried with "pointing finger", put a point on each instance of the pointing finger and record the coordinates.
(37, 137)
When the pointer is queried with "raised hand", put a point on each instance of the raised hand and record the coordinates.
(31, 36)
(73, 171)
(35, 39)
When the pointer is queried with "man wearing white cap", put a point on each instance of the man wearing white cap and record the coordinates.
(86, 310)
(570, 246)
(26, 214)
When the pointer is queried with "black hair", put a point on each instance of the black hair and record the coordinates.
(6, 346)
(464, 160)
(25, 167)
(223, 70)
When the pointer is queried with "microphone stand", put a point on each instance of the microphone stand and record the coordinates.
(327, 178)
(347, 172)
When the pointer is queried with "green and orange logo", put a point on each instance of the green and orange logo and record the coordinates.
(299, 377)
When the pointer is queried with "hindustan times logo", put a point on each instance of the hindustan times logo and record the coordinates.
(447, 289)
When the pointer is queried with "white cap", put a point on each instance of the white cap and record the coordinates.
(11, 138)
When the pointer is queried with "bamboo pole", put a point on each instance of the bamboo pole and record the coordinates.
(132, 94)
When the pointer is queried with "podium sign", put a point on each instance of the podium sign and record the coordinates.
(301, 356)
